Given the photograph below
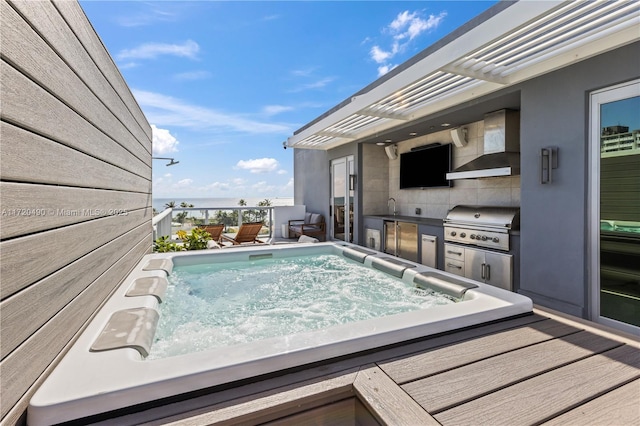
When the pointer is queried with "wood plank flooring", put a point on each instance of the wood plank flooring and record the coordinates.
(538, 369)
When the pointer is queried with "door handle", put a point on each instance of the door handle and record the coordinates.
(451, 265)
(459, 253)
(488, 272)
(483, 269)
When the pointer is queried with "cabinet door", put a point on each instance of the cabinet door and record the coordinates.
(498, 270)
(390, 237)
(474, 264)
(408, 241)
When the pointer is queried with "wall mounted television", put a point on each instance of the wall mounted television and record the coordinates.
(426, 167)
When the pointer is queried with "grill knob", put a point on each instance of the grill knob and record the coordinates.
(453, 233)
(484, 238)
(463, 235)
(496, 239)
(472, 236)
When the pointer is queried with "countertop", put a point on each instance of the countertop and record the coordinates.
(412, 219)
(420, 220)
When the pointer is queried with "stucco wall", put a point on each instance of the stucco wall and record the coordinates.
(75, 188)
(554, 234)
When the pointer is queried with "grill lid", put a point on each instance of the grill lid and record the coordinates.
(484, 216)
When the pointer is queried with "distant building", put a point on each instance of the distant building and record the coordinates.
(615, 140)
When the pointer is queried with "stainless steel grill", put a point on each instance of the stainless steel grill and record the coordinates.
(481, 226)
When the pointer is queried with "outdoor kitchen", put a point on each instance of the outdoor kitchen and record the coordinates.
(470, 225)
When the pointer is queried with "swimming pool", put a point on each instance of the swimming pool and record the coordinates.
(108, 369)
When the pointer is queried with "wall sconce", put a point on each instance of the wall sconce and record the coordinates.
(548, 162)
(352, 182)
(170, 163)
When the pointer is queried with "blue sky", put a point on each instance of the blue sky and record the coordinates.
(223, 84)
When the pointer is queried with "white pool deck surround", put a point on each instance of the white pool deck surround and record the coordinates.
(87, 382)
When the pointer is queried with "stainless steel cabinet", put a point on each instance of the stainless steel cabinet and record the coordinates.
(401, 239)
(489, 267)
(480, 265)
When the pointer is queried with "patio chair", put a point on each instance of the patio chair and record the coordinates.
(312, 225)
(247, 233)
(216, 234)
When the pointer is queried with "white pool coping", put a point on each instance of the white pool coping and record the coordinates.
(87, 383)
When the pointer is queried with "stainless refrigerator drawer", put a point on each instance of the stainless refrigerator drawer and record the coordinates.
(429, 247)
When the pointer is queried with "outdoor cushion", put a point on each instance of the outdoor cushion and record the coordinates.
(307, 218)
(305, 239)
(315, 218)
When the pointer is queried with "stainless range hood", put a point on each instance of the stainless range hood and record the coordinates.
(501, 148)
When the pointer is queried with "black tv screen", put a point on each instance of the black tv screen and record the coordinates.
(426, 168)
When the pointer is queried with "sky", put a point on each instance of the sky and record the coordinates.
(224, 83)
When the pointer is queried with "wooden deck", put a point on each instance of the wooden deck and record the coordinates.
(539, 369)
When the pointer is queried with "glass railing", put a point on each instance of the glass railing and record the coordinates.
(171, 220)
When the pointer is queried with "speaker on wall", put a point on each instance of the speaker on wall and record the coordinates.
(459, 136)
(392, 151)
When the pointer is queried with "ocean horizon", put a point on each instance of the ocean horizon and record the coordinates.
(159, 203)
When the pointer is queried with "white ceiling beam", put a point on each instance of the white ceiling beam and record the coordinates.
(567, 55)
(478, 75)
(331, 134)
(382, 114)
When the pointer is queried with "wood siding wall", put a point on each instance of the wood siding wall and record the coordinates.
(75, 188)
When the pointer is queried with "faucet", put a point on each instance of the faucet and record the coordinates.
(394, 205)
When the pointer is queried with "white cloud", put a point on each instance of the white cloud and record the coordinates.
(260, 165)
(150, 13)
(188, 49)
(183, 183)
(403, 29)
(410, 25)
(192, 75)
(218, 186)
(379, 55)
(263, 187)
(303, 72)
(289, 185)
(383, 69)
(276, 109)
(163, 141)
(282, 172)
(319, 84)
(167, 111)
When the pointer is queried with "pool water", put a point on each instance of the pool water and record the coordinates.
(222, 304)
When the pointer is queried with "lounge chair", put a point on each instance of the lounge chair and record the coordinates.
(216, 234)
(247, 233)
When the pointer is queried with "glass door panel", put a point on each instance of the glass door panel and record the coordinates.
(342, 197)
(616, 128)
(339, 172)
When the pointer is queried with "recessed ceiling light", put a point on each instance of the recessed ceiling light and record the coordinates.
(445, 124)
(380, 143)
(388, 141)
(412, 134)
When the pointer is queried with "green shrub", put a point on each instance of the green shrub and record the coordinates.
(164, 245)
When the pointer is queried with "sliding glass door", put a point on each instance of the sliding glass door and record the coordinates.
(615, 206)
